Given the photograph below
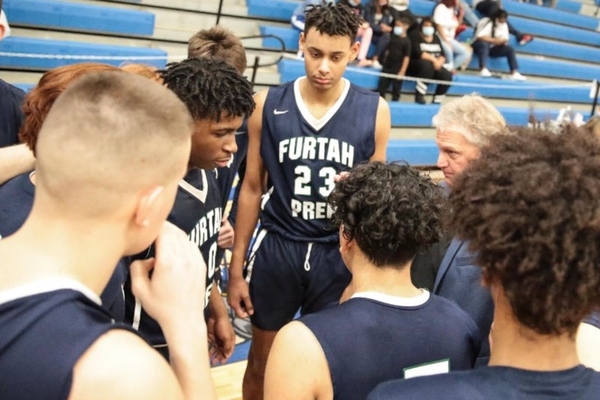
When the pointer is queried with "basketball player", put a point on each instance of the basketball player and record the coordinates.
(218, 99)
(529, 207)
(97, 200)
(301, 135)
(17, 195)
(388, 329)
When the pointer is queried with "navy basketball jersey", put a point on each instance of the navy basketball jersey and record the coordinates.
(11, 116)
(373, 338)
(197, 211)
(16, 201)
(302, 155)
(496, 383)
(46, 327)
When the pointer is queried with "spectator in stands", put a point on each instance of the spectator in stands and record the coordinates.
(448, 16)
(380, 17)
(389, 328)
(365, 33)
(491, 40)
(396, 59)
(487, 7)
(529, 207)
(427, 61)
(400, 8)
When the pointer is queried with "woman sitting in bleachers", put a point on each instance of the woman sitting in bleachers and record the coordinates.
(491, 40)
(427, 61)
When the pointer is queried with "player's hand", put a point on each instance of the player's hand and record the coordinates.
(226, 235)
(340, 176)
(221, 339)
(174, 293)
(238, 297)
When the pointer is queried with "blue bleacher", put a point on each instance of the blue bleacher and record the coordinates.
(82, 17)
(279, 10)
(413, 151)
(60, 48)
(551, 15)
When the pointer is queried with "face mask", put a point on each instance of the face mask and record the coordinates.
(428, 30)
(398, 30)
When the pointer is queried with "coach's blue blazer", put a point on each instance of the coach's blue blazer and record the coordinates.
(459, 279)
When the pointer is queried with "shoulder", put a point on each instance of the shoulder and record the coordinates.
(455, 385)
(13, 91)
(120, 365)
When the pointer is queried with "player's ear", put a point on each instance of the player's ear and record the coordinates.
(148, 206)
(354, 49)
(302, 42)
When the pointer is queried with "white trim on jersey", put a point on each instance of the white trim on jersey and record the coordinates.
(137, 315)
(395, 300)
(319, 123)
(45, 286)
(307, 258)
(252, 256)
(197, 193)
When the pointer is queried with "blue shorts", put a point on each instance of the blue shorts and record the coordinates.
(287, 275)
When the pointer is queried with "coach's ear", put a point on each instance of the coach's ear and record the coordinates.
(149, 206)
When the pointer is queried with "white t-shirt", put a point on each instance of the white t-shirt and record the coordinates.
(446, 19)
(484, 28)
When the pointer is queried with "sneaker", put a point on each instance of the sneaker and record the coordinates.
(516, 76)
(376, 64)
(438, 98)
(419, 98)
(485, 73)
(525, 39)
(364, 63)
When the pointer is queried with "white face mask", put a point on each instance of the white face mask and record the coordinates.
(398, 30)
(428, 30)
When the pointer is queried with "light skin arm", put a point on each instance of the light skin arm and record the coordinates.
(383, 127)
(297, 368)
(247, 216)
(15, 160)
(588, 346)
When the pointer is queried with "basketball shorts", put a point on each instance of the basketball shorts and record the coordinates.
(286, 276)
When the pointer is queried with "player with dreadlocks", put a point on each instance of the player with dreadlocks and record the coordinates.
(301, 135)
(218, 98)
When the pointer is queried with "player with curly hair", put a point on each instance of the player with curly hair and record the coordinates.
(301, 135)
(528, 206)
(389, 328)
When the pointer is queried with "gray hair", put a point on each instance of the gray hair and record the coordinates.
(472, 116)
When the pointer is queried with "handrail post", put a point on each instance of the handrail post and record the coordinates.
(219, 11)
(595, 102)
(255, 69)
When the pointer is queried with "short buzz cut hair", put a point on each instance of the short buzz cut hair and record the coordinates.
(210, 88)
(220, 43)
(529, 208)
(389, 210)
(332, 20)
(107, 136)
(472, 116)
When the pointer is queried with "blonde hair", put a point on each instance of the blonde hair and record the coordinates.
(472, 116)
(593, 124)
(147, 71)
(219, 43)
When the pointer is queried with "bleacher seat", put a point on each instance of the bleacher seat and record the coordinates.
(415, 152)
(551, 15)
(61, 48)
(81, 17)
(367, 77)
(278, 10)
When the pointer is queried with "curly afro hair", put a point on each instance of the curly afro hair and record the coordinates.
(530, 207)
(389, 210)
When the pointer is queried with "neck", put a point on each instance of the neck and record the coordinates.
(390, 280)
(516, 346)
(48, 247)
(326, 98)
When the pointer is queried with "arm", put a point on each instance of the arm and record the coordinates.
(15, 160)
(221, 336)
(132, 369)
(383, 126)
(247, 217)
(588, 345)
(297, 368)
(406, 59)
